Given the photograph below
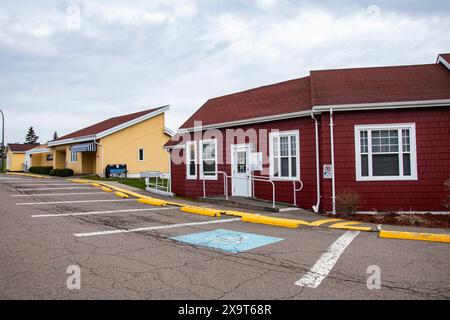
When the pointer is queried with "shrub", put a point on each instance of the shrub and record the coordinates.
(347, 202)
(61, 172)
(411, 219)
(40, 170)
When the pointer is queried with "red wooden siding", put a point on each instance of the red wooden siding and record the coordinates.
(263, 190)
(433, 160)
(425, 194)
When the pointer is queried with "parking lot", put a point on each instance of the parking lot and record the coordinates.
(126, 250)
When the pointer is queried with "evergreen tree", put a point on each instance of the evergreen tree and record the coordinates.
(31, 136)
(55, 135)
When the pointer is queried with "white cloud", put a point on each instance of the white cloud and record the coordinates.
(128, 57)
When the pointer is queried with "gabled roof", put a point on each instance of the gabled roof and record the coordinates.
(108, 126)
(21, 147)
(375, 86)
(380, 85)
(280, 98)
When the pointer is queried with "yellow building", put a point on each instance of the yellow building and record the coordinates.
(15, 156)
(40, 156)
(135, 140)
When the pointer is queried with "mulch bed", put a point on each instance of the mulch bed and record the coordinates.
(417, 220)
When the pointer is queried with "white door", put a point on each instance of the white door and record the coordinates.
(240, 170)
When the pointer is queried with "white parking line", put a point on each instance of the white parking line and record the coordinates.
(65, 188)
(99, 212)
(75, 201)
(98, 233)
(323, 266)
(55, 194)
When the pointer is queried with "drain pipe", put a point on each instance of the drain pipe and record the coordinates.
(102, 171)
(317, 205)
(333, 185)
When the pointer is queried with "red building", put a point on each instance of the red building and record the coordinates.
(383, 133)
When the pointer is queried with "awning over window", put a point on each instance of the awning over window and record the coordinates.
(84, 147)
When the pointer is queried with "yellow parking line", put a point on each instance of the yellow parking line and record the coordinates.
(323, 221)
(434, 237)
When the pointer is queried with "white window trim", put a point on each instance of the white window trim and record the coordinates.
(143, 154)
(200, 147)
(274, 134)
(188, 160)
(394, 126)
(71, 158)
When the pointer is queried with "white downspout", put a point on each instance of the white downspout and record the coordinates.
(102, 170)
(317, 205)
(333, 185)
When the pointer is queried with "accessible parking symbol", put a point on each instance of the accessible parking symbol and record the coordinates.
(227, 240)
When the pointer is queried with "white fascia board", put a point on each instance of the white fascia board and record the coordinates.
(70, 141)
(169, 131)
(236, 123)
(109, 131)
(384, 105)
(39, 150)
(444, 62)
(131, 122)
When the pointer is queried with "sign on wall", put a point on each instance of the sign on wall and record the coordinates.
(327, 171)
(256, 163)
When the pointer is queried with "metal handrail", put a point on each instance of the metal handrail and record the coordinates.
(253, 178)
(225, 182)
(294, 183)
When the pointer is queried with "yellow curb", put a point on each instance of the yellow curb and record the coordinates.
(237, 213)
(106, 189)
(349, 225)
(152, 201)
(121, 194)
(434, 237)
(96, 185)
(202, 211)
(133, 194)
(79, 181)
(323, 221)
(28, 175)
(279, 222)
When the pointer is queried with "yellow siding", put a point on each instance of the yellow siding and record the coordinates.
(122, 147)
(75, 166)
(15, 161)
(40, 159)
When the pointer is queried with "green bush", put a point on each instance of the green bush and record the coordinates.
(61, 172)
(40, 170)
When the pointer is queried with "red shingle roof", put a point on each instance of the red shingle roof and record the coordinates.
(328, 87)
(284, 97)
(107, 124)
(22, 147)
(382, 84)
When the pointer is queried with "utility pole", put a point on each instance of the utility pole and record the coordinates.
(3, 140)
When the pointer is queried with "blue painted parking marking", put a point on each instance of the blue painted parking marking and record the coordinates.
(227, 240)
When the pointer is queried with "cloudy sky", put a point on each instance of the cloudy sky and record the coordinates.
(69, 64)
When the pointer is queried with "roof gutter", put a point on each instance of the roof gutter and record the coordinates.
(109, 131)
(383, 105)
(282, 116)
